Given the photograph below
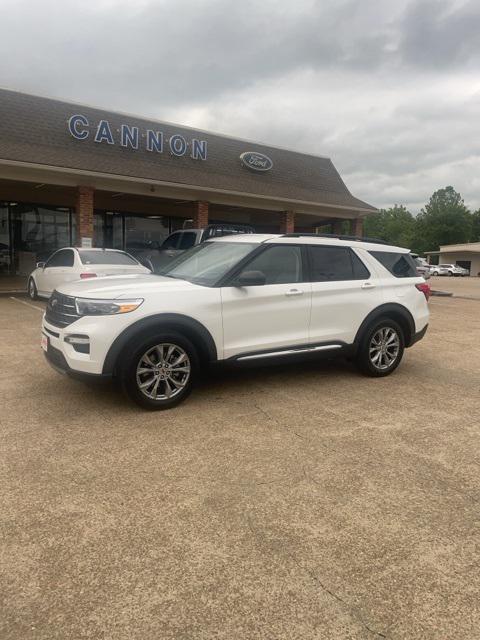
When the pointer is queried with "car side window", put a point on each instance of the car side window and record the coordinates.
(62, 258)
(172, 241)
(333, 264)
(360, 271)
(401, 265)
(187, 240)
(279, 264)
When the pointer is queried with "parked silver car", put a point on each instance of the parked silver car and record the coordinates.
(449, 270)
(422, 266)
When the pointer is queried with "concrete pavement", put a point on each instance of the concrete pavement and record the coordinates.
(296, 502)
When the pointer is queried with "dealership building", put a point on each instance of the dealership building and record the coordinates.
(75, 175)
(466, 255)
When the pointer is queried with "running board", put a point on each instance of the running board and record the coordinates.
(289, 352)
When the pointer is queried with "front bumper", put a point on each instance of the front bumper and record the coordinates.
(57, 361)
(65, 358)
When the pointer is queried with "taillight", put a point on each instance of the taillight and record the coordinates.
(425, 289)
(84, 276)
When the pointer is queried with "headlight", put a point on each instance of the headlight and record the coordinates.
(89, 307)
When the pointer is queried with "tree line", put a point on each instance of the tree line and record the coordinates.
(443, 220)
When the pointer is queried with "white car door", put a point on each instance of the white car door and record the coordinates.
(269, 316)
(58, 269)
(343, 294)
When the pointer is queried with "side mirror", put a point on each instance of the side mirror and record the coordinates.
(40, 265)
(148, 263)
(250, 279)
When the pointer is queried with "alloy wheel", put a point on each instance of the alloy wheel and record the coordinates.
(163, 371)
(384, 348)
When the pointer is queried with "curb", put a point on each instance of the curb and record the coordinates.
(441, 294)
(13, 292)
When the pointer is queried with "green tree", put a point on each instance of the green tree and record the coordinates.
(444, 220)
(475, 235)
(395, 225)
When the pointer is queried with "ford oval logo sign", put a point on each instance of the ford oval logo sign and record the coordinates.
(256, 161)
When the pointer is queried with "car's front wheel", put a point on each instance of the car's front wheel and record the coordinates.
(32, 289)
(159, 373)
(381, 349)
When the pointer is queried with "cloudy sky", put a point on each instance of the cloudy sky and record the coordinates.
(389, 89)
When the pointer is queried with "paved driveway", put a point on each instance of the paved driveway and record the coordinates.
(297, 502)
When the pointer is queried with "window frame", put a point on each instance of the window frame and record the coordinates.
(349, 250)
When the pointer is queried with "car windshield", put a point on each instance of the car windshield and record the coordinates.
(206, 263)
(106, 257)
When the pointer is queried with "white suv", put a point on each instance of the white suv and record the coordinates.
(236, 299)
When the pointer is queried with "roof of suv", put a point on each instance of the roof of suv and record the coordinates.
(267, 238)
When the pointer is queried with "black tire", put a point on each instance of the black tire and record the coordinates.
(32, 289)
(163, 375)
(365, 355)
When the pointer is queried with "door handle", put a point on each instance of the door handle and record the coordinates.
(294, 292)
(368, 285)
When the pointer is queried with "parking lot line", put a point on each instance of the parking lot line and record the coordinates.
(27, 304)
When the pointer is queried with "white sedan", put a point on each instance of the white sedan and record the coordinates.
(448, 270)
(69, 264)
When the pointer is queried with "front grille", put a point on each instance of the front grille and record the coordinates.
(61, 310)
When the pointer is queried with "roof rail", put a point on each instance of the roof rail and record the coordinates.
(335, 237)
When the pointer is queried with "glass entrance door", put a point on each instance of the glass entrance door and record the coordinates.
(108, 230)
(5, 249)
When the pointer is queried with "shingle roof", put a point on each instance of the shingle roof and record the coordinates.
(34, 129)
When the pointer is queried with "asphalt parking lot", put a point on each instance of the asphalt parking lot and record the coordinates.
(295, 502)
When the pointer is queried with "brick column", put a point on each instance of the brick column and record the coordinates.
(287, 222)
(357, 227)
(200, 215)
(84, 213)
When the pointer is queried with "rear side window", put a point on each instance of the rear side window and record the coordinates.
(330, 264)
(172, 241)
(360, 271)
(401, 265)
(106, 257)
(187, 240)
(62, 258)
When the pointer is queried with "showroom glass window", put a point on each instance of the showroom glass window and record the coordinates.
(37, 231)
(136, 234)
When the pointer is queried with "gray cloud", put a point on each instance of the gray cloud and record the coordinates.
(389, 89)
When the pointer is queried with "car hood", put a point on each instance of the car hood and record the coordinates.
(131, 286)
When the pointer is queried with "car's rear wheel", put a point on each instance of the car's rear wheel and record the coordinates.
(32, 289)
(381, 349)
(159, 373)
